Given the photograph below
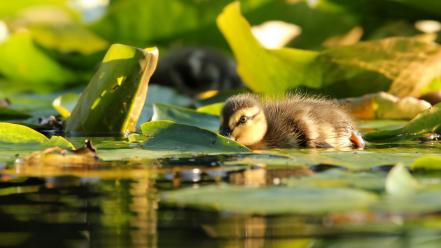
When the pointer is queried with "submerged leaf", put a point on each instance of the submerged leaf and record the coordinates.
(272, 200)
(400, 182)
(185, 116)
(427, 122)
(167, 135)
(115, 96)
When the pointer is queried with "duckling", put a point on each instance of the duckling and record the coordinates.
(294, 121)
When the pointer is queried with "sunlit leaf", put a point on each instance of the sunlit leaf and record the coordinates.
(428, 163)
(427, 122)
(167, 135)
(271, 200)
(115, 96)
(401, 65)
(17, 134)
(19, 59)
(185, 116)
(64, 104)
(400, 182)
(213, 109)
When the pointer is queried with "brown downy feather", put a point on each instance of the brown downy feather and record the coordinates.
(294, 121)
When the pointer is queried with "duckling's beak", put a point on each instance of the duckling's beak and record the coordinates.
(225, 131)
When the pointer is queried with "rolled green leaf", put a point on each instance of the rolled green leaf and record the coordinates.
(115, 96)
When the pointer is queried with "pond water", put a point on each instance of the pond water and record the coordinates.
(120, 204)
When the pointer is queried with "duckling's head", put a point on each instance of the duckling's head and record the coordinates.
(243, 119)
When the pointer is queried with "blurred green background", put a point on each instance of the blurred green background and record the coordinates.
(48, 45)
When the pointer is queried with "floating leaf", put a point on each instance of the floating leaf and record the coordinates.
(212, 109)
(65, 104)
(340, 179)
(12, 114)
(185, 116)
(427, 122)
(115, 96)
(271, 200)
(167, 135)
(428, 163)
(17, 134)
(400, 182)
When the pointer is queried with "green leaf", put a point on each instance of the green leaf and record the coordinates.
(19, 59)
(12, 114)
(276, 70)
(64, 104)
(353, 70)
(12, 8)
(115, 96)
(212, 109)
(400, 182)
(272, 200)
(340, 179)
(427, 122)
(17, 134)
(429, 163)
(167, 135)
(144, 22)
(185, 116)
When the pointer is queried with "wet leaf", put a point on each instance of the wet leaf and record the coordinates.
(64, 104)
(185, 116)
(17, 134)
(167, 135)
(400, 183)
(272, 200)
(426, 122)
(115, 96)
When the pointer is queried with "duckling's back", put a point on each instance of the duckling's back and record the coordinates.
(309, 122)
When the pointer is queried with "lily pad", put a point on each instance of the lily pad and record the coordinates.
(427, 163)
(427, 122)
(272, 200)
(185, 116)
(12, 114)
(168, 135)
(115, 96)
(17, 134)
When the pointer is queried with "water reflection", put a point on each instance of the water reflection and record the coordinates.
(118, 205)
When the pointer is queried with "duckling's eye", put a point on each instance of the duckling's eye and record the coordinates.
(242, 120)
